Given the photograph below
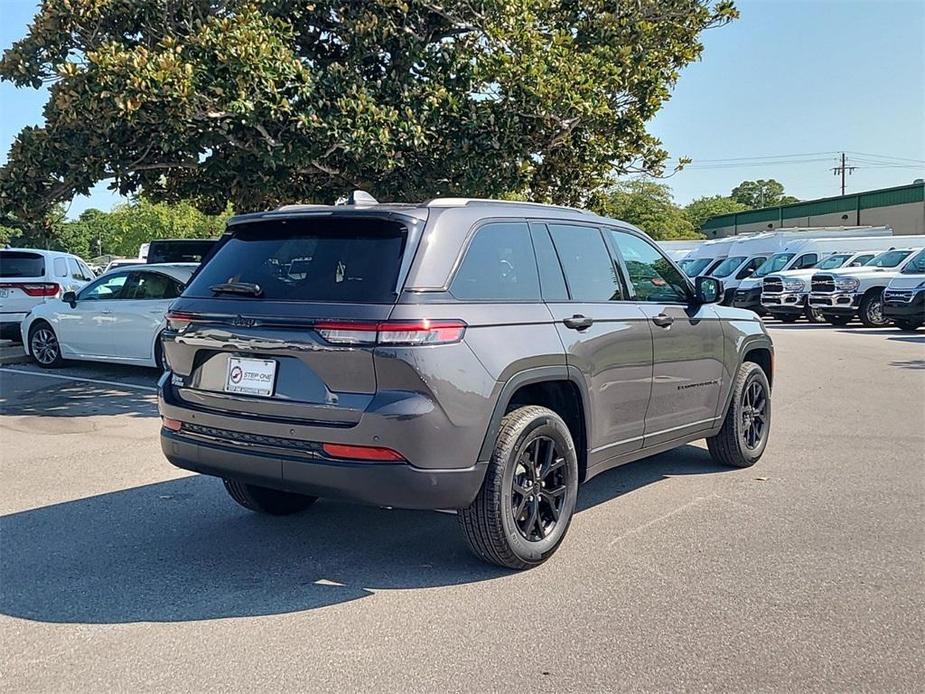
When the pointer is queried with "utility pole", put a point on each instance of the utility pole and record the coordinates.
(841, 169)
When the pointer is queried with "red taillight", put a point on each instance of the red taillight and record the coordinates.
(339, 450)
(177, 320)
(416, 332)
(172, 424)
(44, 289)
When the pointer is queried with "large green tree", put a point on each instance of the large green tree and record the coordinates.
(761, 193)
(647, 204)
(700, 210)
(262, 101)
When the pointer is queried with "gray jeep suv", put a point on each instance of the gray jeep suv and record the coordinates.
(476, 355)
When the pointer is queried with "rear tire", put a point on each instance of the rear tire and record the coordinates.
(265, 500)
(907, 325)
(871, 311)
(744, 435)
(509, 523)
(43, 346)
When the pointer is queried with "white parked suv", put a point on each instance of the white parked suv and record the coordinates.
(904, 296)
(29, 277)
(842, 294)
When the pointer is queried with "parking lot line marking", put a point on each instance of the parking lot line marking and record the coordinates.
(131, 386)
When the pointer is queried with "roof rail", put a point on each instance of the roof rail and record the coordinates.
(297, 207)
(466, 202)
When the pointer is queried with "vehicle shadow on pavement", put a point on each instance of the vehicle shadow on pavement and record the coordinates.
(181, 550)
(76, 399)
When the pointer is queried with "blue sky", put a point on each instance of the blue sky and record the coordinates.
(780, 91)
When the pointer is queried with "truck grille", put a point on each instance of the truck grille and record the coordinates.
(823, 283)
(900, 296)
(773, 285)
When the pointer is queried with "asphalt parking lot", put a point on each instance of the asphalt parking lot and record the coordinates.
(806, 572)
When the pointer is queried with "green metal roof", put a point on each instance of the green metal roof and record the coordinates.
(885, 197)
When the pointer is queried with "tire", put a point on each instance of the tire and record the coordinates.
(871, 311)
(493, 529)
(788, 318)
(837, 320)
(265, 500)
(159, 360)
(812, 315)
(909, 326)
(43, 346)
(734, 445)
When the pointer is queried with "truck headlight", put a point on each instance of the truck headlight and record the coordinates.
(794, 285)
(847, 283)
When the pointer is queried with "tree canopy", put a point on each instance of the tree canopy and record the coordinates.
(257, 102)
(647, 204)
(761, 193)
(700, 210)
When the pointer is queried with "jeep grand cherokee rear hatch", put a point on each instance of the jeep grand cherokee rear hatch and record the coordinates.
(283, 319)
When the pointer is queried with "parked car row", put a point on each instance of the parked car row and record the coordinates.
(775, 274)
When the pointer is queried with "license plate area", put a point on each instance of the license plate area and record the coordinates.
(249, 376)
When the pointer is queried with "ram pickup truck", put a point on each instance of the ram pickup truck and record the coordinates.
(904, 296)
(785, 295)
(843, 294)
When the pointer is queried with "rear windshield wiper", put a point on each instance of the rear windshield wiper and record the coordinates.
(237, 288)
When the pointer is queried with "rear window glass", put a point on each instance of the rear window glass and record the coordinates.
(19, 264)
(499, 265)
(349, 260)
(190, 251)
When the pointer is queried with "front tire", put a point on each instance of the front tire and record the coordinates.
(744, 435)
(789, 318)
(813, 315)
(43, 346)
(265, 500)
(527, 500)
(871, 311)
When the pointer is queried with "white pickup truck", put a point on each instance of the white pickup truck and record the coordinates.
(904, 296)
(842, 294)
(785, 295)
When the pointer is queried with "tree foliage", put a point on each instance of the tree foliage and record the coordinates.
(761, 193)
(119, 232)
(646, 204)
(700, 210)
(262, 101)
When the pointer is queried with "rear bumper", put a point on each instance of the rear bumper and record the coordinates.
(908, 310)
(12, 317)
(384, 484)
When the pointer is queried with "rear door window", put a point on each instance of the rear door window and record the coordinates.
(60, 267)
(21, 264)
(326, 259)
(589, 270)
(499, 265)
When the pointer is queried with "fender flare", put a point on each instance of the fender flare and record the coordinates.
(757, 341)
(537, 374)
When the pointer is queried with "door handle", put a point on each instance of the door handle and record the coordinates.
(106, 311)
(663, 320)
(578, 322)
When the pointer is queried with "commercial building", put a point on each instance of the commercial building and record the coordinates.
(902, 208)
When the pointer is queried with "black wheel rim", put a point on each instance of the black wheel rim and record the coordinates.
(539, 488)
(754, 414)
(44, 346)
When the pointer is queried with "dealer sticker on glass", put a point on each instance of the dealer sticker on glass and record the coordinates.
(250, 376)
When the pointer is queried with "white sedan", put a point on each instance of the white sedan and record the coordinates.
(117, 318)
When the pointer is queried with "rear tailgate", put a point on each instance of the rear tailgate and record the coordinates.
(244, 338)
(22, 282)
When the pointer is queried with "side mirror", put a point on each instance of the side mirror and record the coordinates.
(708, 290)
(69, 298)
(748, 272)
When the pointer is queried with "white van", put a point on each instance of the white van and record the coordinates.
(796, 255)
(677, 250)
(745, 256)
(785, 294)
(707, 255)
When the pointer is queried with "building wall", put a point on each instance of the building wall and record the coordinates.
(905, 219)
